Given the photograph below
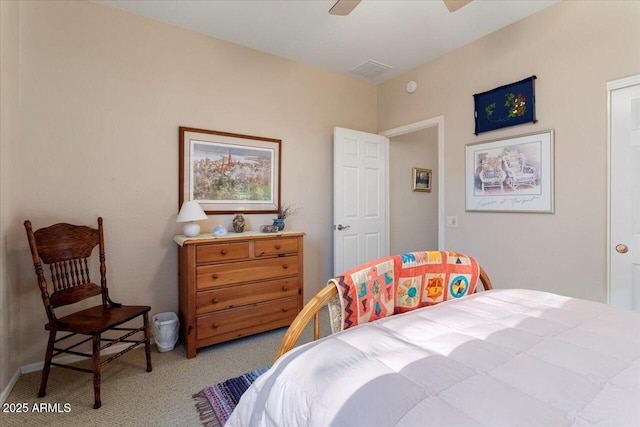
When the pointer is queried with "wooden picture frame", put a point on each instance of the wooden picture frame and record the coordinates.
(229, 173)
(422, 179)
(512, 174)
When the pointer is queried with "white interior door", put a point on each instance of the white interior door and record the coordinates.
(360, 224)
(624, 251)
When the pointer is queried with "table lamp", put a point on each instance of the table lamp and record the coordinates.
(190, 212)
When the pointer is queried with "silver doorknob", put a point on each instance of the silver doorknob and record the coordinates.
(343, 227)
(622, 249)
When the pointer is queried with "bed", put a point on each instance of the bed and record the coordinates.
(501, 357)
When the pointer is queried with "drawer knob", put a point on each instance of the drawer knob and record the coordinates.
(285, 266)
(285, 288)
(214, 276)
(223, 252)
(214, 326)
(215, 301)
(277, 247)
(284, 310)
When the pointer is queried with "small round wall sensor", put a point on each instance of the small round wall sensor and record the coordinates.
(412, 86)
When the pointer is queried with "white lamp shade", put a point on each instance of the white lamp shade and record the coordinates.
(191, 211)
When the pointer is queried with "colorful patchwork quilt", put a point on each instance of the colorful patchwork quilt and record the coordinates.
(367, 292)
(430, 277)
(401, 283)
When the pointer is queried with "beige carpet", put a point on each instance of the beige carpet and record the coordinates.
(133, 397)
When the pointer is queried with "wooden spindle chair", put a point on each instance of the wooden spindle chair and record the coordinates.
(67, 250)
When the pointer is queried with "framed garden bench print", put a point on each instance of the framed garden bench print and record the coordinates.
(229, 173)
(511, 175)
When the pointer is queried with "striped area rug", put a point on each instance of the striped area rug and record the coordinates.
(215, 403)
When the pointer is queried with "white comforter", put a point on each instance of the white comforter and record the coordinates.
(496, 358)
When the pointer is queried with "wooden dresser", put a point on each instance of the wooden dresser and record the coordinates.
(237, 285)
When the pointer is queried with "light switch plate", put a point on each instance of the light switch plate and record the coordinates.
(452, 221)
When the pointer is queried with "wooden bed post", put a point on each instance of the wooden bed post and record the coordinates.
(311, 309)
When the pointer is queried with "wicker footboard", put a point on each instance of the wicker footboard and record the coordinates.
(313, 307)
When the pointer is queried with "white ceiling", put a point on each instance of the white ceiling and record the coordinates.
(399, 33)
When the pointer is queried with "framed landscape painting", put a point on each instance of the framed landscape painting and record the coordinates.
(511, 175)
(229, 173)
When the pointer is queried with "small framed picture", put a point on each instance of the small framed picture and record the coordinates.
(422, 179)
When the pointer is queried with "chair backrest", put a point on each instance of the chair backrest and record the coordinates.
(514, 161)
(67, 249)
(492, 167)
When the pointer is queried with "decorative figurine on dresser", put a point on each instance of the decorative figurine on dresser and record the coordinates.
(233, 286)
(238, 223)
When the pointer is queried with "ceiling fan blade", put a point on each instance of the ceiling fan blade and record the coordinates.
(454, 5)
(343, 7)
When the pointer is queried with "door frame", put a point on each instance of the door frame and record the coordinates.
(611, 86)
(412, 127)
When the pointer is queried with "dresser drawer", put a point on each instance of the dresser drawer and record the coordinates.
(210, 276)
(222, 252)
(275, 247)
(245, 317)
(239, 295)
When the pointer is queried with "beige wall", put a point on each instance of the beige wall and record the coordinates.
(573, 48)
(413, 215)
(9, 187)
(103, 93)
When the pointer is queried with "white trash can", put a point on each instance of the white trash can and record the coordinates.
(165, 330)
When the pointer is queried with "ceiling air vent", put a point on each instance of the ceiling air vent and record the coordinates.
(370, 69)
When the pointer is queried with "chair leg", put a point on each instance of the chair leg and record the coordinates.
(96, 371)
(147, 341)
(47, 364)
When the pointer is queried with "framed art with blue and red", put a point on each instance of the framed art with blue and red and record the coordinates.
(508, 105)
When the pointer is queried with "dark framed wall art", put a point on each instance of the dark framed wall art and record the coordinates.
(508, 105)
